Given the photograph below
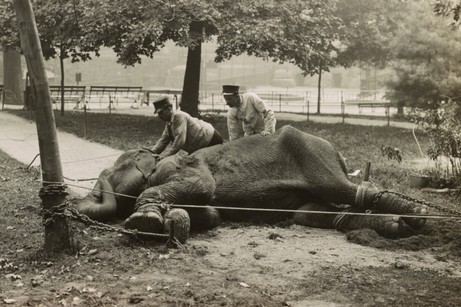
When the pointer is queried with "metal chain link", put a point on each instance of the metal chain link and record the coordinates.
(53, 189)
(423, 202)
(63, 211)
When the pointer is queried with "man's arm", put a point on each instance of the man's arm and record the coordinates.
(179, 129)
(268, 114)
(233, 124)
(162, 143)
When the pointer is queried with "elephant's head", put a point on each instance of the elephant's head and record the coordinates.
(117, 188)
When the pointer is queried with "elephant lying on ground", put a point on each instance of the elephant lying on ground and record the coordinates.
(289, 170)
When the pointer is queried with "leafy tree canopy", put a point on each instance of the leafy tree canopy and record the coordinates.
(426, 59)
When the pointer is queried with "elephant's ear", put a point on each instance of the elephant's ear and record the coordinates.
(145, 162)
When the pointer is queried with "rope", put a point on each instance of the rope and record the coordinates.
(439, 216)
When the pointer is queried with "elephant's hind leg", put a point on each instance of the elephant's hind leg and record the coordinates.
(387, 226)
(369, 197)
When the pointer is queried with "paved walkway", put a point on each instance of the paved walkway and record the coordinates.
(82, 159)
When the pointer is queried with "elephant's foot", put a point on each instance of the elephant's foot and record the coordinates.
(369, 197)
(317, 220)
(181, 224)
(153, 218)
(395, 203)
(389, 227)
(147, 218)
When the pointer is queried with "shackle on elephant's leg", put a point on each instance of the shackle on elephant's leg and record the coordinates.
(365, 195)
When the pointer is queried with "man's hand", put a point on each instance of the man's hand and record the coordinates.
(263, 133)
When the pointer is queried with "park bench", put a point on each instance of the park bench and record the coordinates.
(152, 95)
(72, 93)
(369, 105)
(114, 95)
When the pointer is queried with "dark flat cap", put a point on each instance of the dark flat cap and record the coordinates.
(161, 103)
(230, 89)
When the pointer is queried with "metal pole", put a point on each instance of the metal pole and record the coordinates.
(366, 177)
(343, 113)
(280, 102)
(84, 120)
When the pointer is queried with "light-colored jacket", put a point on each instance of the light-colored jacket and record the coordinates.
(183, 132)
(253, 115)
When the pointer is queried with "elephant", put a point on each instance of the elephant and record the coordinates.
(289, 174)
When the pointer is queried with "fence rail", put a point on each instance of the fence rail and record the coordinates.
(332, 102)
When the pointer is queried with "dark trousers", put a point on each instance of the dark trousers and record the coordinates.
(216, 139)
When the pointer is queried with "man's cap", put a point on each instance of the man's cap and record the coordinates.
(230, 89)
(161, 103)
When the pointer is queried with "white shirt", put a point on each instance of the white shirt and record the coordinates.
(253, 115)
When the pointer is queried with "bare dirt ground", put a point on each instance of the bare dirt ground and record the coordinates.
(233, 265)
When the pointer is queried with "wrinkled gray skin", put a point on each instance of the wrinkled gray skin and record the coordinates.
(287, 170)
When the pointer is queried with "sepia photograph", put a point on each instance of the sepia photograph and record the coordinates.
(300, 153)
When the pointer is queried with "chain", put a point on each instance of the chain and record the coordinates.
(419, 201)
(58, 188)
(62, 211)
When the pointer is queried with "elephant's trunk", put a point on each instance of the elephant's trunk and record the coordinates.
(100, 204)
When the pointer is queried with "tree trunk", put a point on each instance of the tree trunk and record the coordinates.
(319, 89)
(191, 87)
(12, 77)
(58, 236)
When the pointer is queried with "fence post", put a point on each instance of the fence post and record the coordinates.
(280, 102)
(212, 102)
(343, 107)
(307, 100)
(84, 121)
(388, 114)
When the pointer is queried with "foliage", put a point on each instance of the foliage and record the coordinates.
(449, 8)
(443, 126)
(425, 59)
(298, 32)
(9, 37)
(367, 28)
(60, 30)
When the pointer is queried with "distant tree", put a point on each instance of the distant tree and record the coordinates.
(426, 60)
(298, 32)
(61, 35)
(9, 44)
(60, 32)
(368, 27)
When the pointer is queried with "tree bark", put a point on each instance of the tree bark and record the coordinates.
(12, 77)
(58, 236)
(191, 87)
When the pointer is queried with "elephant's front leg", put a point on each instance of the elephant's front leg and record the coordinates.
(154, 214)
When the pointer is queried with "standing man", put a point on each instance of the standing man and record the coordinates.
(248, 111)
(182, 131)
